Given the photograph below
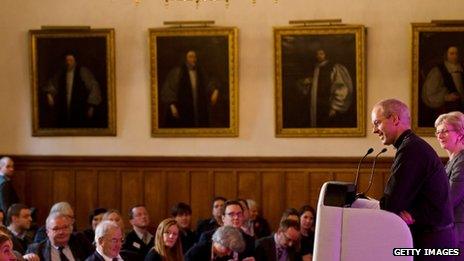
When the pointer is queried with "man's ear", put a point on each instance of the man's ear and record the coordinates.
(396, 120)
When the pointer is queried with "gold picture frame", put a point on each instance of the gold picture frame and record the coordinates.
(210, 56)
(302, 111)
(434, 91)
(72, 81)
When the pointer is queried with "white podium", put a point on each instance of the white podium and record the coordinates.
(344, 233)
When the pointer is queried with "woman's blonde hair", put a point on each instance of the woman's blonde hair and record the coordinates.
(455, 119)
(168, 254)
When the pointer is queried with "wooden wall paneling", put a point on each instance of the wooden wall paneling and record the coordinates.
(109, 190)
(201, 194)
(347, 175)
(376, 190)
(273, 189)
(19, 183)
(86, 196)
(249, 185)
(40, 192)
(316, 180)
(132, 191)
(156, 195)
(225, 184)
(159, 182)
(298, 191)
(64, 186)
(178, 189)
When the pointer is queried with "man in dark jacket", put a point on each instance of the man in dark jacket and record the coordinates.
(417, 189)
(280, 246)
(61, 244)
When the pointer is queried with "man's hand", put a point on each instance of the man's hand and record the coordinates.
(174, 111)
(31, 257)
(50, 100)
(214, 97)
(452, 97)
(90, 112)
(407, 217)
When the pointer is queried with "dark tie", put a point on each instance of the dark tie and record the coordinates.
(62, 256)
(115, 259)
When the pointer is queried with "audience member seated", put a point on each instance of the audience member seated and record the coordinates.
(307, 229)
(6, 249)
(215, 221)
(139, 240)
(34, 226)
(114, 215)
(29, 257)
(260, 225)
(60, 207)
(19, 221)
(283, 245)
(247, 226)
(292, 214)
(233, 216)
(95, 217)
(226, 244)
(183, 213)
(108, 239)
(167, 246)
(61, 244)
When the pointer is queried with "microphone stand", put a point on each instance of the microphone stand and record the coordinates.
(363, 194)
(369, 151)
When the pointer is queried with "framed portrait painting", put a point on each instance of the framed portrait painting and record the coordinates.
(319, 79)
(194, 81)
(72, 79)
(437, 73)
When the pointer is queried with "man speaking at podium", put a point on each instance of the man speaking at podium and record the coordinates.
(417, 189)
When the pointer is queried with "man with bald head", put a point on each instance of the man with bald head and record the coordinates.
(417, 189)
(8, 194)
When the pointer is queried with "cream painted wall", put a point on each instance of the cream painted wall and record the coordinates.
(388, 70)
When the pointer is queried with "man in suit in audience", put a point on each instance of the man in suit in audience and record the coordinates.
(216, 220)
(281, 246)
(108, 238)
(19, 221)
(61, 244)
(233, 216)
(182, 212)
(8, 194)
(139, 240)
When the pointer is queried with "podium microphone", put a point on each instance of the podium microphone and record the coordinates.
(369, 151)
(372, 170)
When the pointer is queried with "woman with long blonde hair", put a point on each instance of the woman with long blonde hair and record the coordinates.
(167, 244)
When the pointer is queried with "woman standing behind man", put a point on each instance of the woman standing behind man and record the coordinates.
(450, 135)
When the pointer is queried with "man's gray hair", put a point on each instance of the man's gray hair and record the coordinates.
(103, 228)
(229, 237)
(397, 107)
(62, 207)
(53, 216)
(4, 160)
(251, 203)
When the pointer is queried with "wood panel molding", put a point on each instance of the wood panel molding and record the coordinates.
(276, 183)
